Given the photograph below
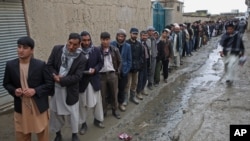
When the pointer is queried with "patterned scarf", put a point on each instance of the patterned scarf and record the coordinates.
(67, 60)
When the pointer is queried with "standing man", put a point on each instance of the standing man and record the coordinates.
(90, 94)
(143, 73)
(125, 51)
(66, 63)
(109, 74)
(28, 81)
(137, 62)
(151, 42)
(233, 49)
(177, 48)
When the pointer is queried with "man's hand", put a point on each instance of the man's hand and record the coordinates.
(29, 92)
(221, 54)
(19, 92)
(56, 78)
(91, 70)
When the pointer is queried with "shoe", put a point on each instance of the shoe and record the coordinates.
(116, 114)
(98, 123)
(139, 96)
(144, 93)
(166, 80)
(75, 137)
(58, 136)
(156, 84)
(122, 107)
(229, 82)
(125, 103)
(134, 100)
(83, 129)
(150, 87)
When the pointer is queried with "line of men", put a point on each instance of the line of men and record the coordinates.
(79, 76)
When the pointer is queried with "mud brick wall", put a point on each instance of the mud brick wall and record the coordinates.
(51, 21)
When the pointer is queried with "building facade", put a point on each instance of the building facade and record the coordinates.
(49, 22)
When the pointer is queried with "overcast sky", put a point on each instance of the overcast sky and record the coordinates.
(214, 6)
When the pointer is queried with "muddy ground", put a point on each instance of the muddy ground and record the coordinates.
(194, 105)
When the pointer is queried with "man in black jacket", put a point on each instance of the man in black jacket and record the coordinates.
(66, 63)
(137, 63)
(90, 85)
(28, 81)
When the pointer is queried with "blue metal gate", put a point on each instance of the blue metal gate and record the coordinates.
(158, 17)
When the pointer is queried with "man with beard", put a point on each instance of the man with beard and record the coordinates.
(66, 63)
(143, 73)
(90, 94)
(137, 60)
(125, 52)
(109, 74)
(233, 49)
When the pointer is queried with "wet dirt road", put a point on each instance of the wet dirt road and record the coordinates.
(195, 105)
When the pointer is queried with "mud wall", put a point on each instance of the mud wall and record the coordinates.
(51, 21)
(191, 19)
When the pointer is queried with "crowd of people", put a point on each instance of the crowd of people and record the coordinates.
(79, 76)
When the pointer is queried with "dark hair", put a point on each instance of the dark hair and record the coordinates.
(26, 41)
(85, 33)
(229, 24)
(75, 36)
(105, 35)
(143, 32)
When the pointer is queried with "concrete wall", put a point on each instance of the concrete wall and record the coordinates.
(177, 15)
(191, 19)
(51, 21)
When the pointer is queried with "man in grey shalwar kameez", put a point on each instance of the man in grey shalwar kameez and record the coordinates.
(66, 63)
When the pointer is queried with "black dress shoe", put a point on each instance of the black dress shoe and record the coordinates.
(116, 114)
(98, 123)
(75, 137)
(58, 137)
(83, 129)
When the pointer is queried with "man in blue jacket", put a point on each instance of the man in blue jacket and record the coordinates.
(125, 52)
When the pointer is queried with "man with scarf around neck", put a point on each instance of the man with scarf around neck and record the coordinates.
(90, 86)
(67, 64)
(233, 49)
(109, 74)
(28, 81)
(137, 63)
(125, 51)
(177, 46)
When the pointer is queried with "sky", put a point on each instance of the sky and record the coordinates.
(214, 6)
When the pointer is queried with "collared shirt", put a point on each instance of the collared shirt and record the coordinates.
(108, 63)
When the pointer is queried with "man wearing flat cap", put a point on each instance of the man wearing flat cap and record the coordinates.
(28, 81)
(151, 42)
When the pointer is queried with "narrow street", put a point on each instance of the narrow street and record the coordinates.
(195, 105)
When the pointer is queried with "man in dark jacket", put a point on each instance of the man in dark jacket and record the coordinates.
(137, 62)
(233, 49)
(109, 74)
(125, 51)
(28, 81)
(90, 94)
(66, 63)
